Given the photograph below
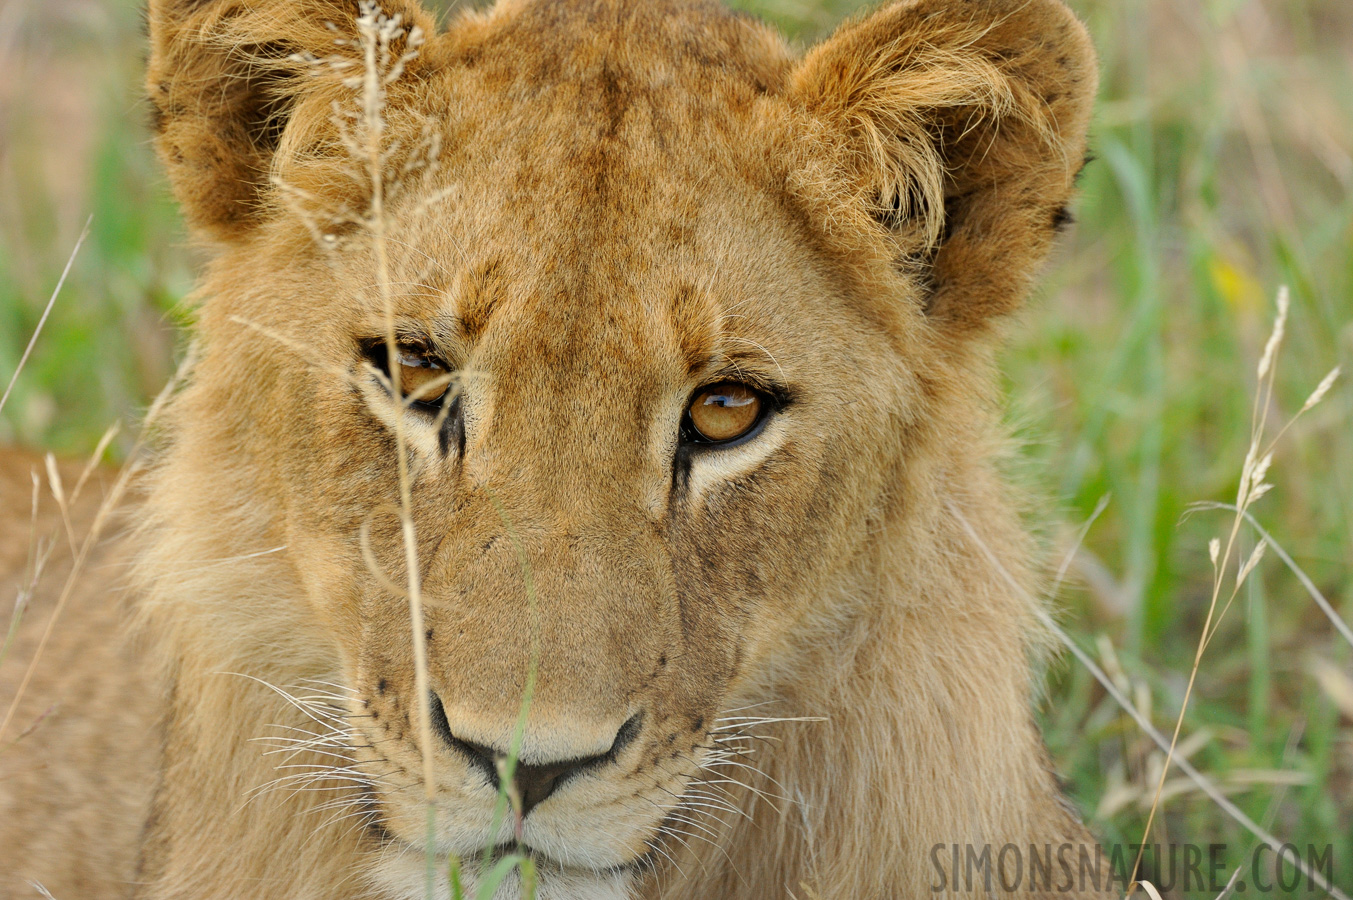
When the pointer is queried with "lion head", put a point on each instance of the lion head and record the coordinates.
(579, 390)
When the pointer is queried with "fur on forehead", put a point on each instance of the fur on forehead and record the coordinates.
(930, 149)
(258, 105)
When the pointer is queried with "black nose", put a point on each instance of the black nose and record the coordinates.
(533, 781)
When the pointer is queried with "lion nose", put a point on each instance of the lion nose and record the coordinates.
(533, 781)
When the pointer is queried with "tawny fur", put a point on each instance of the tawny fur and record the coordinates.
(594, 207)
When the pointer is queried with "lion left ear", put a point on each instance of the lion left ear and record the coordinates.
(960, 126)
(225, 79)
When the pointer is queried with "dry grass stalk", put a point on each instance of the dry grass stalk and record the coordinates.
(1258, 459)
(47, 310)
(39, 552)
(366, 144)
(107, 509)
(1205, 784)
(376, 33)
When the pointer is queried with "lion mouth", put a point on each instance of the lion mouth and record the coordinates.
(403, 875)
(546, 867)
(543, 862)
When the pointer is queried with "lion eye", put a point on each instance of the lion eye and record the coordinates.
(723, 413)
(421, 376)
(422, 379)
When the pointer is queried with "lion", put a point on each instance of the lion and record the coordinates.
(587, 456)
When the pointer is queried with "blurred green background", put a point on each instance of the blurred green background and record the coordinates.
(1224, 145)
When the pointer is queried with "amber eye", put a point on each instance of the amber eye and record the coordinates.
(724, 412)
(422, 379)
(420, 375)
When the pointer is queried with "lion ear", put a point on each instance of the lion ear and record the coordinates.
(224, 77)
(960, 128)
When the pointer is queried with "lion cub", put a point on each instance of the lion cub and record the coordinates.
(591, 405)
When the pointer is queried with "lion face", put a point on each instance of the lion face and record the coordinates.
(670, 327)
(641, 396)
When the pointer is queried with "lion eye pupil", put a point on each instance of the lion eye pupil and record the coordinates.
(724, 412)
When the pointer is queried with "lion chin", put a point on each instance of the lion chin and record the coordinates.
(591, 410)
(405, 878)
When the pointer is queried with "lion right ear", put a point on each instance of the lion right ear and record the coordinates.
(957, 127)
(224, 78)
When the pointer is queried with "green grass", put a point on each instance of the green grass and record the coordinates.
(1223, 171)
(1134, 380)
